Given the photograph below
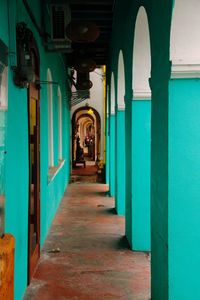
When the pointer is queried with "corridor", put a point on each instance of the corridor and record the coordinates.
(85, 256)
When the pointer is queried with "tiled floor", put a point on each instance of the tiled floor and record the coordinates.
(93, 261)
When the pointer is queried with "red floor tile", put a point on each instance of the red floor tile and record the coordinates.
(94, 262)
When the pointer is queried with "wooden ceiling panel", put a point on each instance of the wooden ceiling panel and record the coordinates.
(101, 13)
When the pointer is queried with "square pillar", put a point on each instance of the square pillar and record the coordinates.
(138, 115)
(176, 192)
(120, 161)
(128, 170)
(112, 155)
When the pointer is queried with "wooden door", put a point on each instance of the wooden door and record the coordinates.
(34, 178)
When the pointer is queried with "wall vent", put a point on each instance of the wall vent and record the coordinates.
(60, 17)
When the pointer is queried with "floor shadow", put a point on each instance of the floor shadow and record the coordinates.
(103, 193)
(106, 211)
(123, 244)
(111, 211)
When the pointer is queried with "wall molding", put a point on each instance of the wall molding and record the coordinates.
(142, 95)
(121, 106)
(185, 69)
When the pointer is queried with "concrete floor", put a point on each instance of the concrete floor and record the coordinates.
(93, 261)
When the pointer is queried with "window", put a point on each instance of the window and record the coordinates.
(50, 119)
(59, 124)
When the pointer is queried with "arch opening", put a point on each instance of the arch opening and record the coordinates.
(112, 96)
(141, 57)
(86, 135)
(121, 83)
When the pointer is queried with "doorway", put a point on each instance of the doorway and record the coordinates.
(34, 173)
(86, 133)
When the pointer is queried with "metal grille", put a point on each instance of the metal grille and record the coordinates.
(79, 96)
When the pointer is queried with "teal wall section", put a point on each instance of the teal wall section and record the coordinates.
(184, 189)
(112, 155)
(17, 168)
(120, 162)
(51, 192)
(141, 132)
(17, 181)
(107, 151)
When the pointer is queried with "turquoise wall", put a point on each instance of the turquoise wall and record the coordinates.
(112, 156)
(17, 181)
(184, 189)
(120, 162)
(17, 169)
(141, 138)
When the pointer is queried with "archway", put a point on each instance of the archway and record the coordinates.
(86, 134)
(141, 58)
(121, 82)
(138, 221)
(112, 137)
(120, 138)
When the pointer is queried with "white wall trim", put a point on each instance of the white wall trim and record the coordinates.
(121, 106)
(185, 69)
(142, 95)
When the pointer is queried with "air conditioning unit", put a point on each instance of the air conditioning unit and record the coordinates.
(60, 17)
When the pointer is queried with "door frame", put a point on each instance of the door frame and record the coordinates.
(33, 87)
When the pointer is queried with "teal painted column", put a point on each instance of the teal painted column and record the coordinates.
(184, 189)
(112, 155)
(107, 150)
(176, 196)
(128, 169)
(141, 139)
(159, 188)
(138, 132)
(120, 162)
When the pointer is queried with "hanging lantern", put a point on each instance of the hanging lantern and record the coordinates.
(85, 65)
(83, 81)
(82, 32)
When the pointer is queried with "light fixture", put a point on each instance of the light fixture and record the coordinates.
(90, 111)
